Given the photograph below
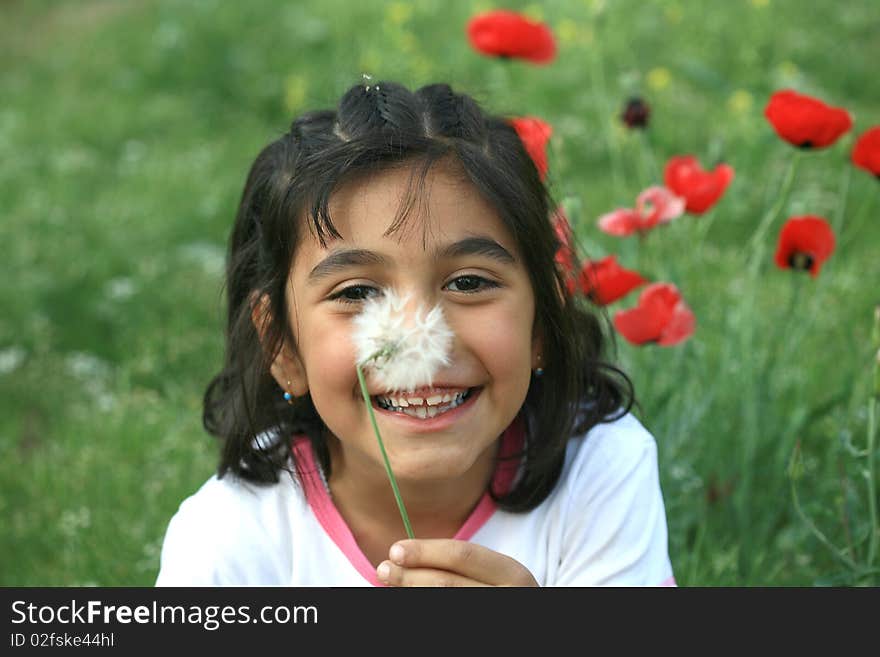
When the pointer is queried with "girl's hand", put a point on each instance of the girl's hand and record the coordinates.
(448, 562)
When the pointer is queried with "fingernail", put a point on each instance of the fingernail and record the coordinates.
(397, 553)
(383, 571)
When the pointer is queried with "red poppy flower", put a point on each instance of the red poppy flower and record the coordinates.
(504, 33)
(805, 243)
(656, 205)
(661, 316)
(866, 152)
(805, 121)
(605, 281)
(565, 253)
(701, 189)
(534, 134)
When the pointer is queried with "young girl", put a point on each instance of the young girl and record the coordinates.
(520, 465)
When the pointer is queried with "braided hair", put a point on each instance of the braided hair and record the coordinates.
(288, 190)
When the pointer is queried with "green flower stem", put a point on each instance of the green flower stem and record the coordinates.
(605, 111)
(400, 506)
(871, 456)
(845, 560)
(858, 219)
(837, 221)
(647, 152)
(757, 240)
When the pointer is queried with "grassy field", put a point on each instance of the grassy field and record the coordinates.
(126, 130)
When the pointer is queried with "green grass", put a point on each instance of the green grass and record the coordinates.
(126, 131)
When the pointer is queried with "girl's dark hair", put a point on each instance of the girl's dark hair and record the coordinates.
(374, 127)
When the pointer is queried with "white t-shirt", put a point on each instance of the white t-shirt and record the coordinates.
(603, 524)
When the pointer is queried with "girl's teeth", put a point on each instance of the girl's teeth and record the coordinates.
(438, 404)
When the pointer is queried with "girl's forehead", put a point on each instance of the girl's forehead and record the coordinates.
(403, 206)
(381, 222)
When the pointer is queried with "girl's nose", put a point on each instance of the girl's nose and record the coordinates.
(420, 297)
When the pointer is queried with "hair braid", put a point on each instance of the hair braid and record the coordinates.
(451, 115)
(383, 108)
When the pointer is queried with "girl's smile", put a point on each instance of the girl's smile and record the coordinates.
(440, 411)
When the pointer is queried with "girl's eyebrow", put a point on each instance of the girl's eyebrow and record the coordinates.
(342, 259)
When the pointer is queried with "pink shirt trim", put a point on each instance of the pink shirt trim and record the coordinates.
(668, 582)
(334, 524)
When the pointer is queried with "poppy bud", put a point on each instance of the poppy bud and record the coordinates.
(636, 113)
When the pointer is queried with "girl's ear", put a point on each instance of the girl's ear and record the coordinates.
(537, 348)
(287, 368)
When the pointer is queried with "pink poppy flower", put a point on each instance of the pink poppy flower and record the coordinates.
(654, 206)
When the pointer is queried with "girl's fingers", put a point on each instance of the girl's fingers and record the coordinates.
(468, 560)
(394, 575)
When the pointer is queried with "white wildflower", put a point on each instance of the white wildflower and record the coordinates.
(403, 350)
(11, 358)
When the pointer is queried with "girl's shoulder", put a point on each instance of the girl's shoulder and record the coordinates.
(217, 532)
(231, 499)
(616, 449)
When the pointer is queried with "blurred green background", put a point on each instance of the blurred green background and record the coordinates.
(126, 131)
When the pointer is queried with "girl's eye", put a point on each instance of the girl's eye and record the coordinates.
(470, 284)
(354, 294)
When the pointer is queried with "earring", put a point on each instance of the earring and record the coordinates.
(539, 371)
(287, 396)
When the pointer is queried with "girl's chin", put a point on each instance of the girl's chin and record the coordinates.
(436, 466)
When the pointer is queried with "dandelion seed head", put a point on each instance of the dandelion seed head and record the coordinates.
(403, 350)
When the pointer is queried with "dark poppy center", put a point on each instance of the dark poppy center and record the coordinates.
(806, 145)
(800, 260)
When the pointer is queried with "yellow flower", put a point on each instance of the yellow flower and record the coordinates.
(567, 31)
(295, 90)
(659, 78)
(398, 13)
(740, 101)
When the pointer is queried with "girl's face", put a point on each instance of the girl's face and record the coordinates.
(482, 287)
